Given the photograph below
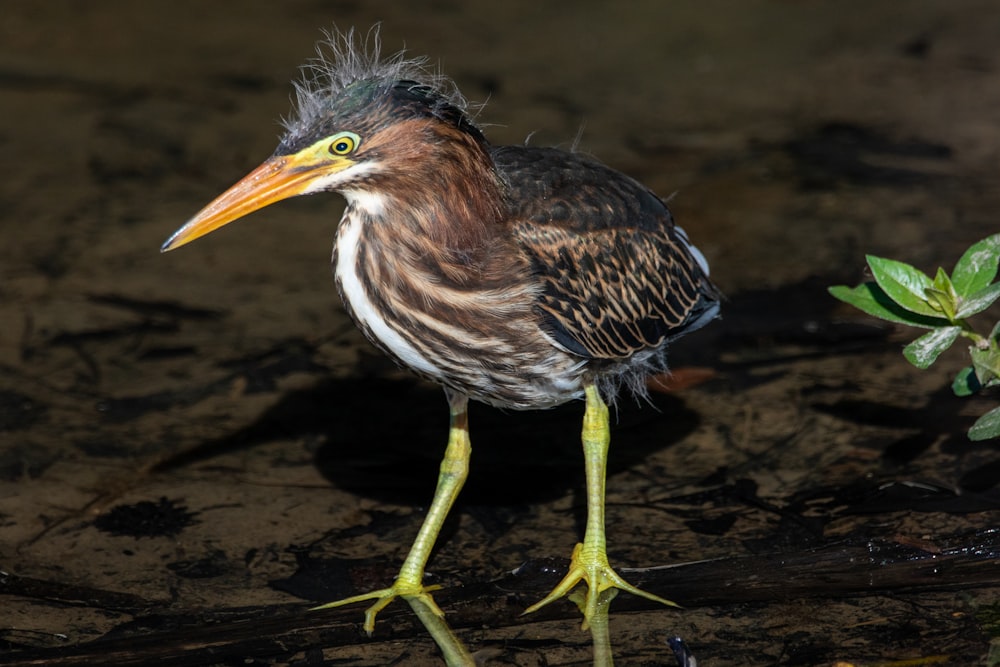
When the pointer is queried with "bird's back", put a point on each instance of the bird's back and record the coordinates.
(618, 278)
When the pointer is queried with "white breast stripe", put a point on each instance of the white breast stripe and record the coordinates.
(354, 293)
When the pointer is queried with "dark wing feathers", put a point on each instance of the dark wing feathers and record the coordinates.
(617, 277)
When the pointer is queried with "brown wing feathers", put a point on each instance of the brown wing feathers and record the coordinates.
(641, 292)
(616, 276)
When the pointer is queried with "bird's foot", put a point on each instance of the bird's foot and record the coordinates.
(590, 564)
(405, 589)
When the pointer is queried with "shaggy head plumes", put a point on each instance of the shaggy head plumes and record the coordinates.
(349, 77)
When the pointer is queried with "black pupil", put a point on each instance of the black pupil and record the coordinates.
(342, 147)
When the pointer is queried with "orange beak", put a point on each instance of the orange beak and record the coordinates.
(276, 179)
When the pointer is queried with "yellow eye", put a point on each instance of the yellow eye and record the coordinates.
(344, 143)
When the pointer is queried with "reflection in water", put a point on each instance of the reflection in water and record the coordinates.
(457, 655)
(598, 624)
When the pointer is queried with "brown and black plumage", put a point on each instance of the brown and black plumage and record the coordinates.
(518, 276)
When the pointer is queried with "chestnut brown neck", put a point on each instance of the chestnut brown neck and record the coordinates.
(442, 200)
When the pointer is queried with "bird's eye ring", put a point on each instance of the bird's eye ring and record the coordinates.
(344, 143)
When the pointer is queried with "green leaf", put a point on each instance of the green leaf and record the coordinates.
(986, 363)
(978, 266)
(942, 302)
(966, 383)
(943, 283)
(925, 350)
(979, 301)
(904, 284)
(872, 299)
(987, 426)
(941, 295)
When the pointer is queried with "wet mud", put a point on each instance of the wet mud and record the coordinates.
(197, 447)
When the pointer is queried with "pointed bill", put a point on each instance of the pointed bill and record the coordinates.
(276, 179)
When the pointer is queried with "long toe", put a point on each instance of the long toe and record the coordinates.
(591, 566)
(384, 596)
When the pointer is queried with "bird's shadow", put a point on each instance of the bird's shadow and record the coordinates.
(393, 447)
(384, 438)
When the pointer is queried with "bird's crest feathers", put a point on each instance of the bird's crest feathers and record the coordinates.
(348, 58)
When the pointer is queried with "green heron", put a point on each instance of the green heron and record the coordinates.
(518, 276)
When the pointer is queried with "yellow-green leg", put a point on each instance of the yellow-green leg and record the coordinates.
(454, 469)
(590, 559)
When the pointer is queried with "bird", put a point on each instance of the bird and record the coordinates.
(519, 276)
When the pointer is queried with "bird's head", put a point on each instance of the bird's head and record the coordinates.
(360, 125)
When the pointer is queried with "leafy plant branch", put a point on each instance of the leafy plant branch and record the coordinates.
(943, 304)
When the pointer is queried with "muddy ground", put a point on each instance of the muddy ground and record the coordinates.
(196, 445)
